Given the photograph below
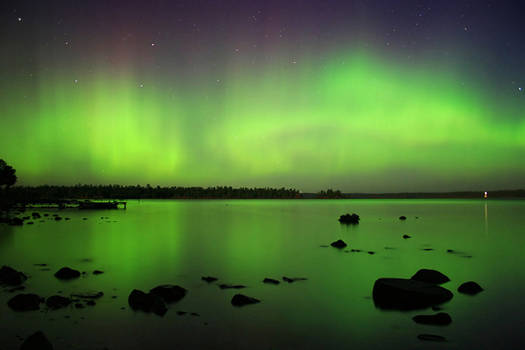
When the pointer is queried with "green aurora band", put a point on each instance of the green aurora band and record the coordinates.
(353, 121)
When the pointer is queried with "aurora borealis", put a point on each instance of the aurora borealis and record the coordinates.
(356, 95)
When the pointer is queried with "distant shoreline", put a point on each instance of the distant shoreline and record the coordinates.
(46, 194)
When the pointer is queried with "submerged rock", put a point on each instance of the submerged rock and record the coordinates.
(349, 219)
(407, 294)
(169, 293)
(11, 277)
(402, 217)
(439, 319)
(430, 276)
(338, 244)
(138, 300)
(57, 302)
(406, 236)
(88, 295)
(25, 302)
(293, 279)
(431, 337)
(209, 279)
(471, 288)
(67, 273)
(231, 286)
(242, 300)
(36, 341)
(98, 272)
(270, 281)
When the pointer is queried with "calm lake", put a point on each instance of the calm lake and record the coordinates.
(244, 241)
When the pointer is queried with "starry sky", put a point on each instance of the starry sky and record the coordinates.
(361, 96)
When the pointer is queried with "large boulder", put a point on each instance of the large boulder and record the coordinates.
(11, 277)
(407, 294)
(471, 288)
(242, 300)
(36, 341)
(25, 302)
(138, 300)
(439, 319)
(349, 219)
(57, 302)
(67, 273)
(430, 276)
(340, 244)
(169, 293)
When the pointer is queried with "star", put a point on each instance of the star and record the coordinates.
(19, 19)
(141, 86)
(76, 81)
(152, 44)
(520, 89)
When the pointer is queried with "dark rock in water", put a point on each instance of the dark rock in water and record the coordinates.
(242, 300)
(430, 276)
(450, 251)
(181, 313)
(231, 286)
(402, 217)
(406, 236)
(355, 250)
(138, 300)
(58, 218)
(431, 337)
(209, 279)
(427, 249)
(371, 252)
(270, 281)
(439, 319)
(79, 305)
(338, 244)
(170, 293)
(36, 215)
(407, 294)
(98, 272)
(67, 273)
(57, 302)
(195, 314)
(293, 279)
(88, 295)
(25, 302)
(30, 222)
(36, 341)
(471, 288)
(15, 222)
(349, 219)
(91, 303)
(11, 277)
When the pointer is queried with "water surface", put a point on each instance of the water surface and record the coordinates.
(244, 241)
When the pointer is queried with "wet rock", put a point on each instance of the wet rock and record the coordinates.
(439, 319)
(170, 293)
(430, 276)
(88, 295)
(270, 281)
(57, 302)
(11, 277)
(406, 236)
(25, 302)
(349, 219)
(209, 279)
(242, 300)
(98, 272)
(407, 294)
(67, 273)
(431, 337)
(338, 244)
(471, 288)
(138, 300)
(36, 341)
(231, 286)
(293, 279)
(402, 217)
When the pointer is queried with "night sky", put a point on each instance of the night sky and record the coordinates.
(362, 96)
